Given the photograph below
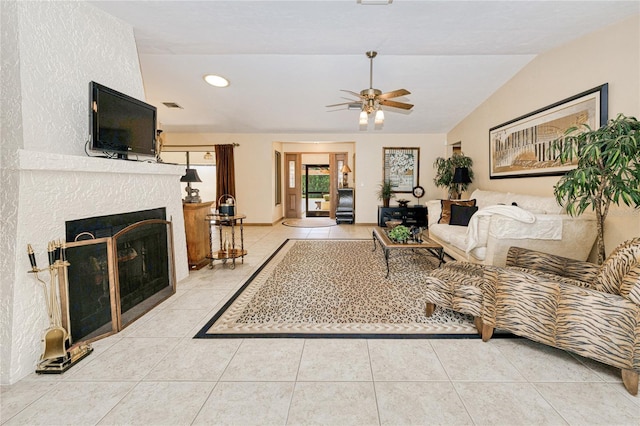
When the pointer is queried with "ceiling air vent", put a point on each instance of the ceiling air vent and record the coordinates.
(172, 105)
(375, 2)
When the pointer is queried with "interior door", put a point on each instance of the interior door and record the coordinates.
(293, 191)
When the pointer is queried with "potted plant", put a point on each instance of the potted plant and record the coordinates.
(385, 192)
(608, 170)
(400, 233)
(445, 170)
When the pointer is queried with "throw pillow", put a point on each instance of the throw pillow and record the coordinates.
(461, 215)
(446, 208)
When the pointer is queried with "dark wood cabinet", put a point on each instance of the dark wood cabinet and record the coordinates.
(410, 216)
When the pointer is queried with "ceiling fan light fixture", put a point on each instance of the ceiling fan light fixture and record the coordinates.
(379, 119)
(364, 118)
(216, 80)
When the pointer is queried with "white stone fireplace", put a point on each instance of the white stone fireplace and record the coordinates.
(54, 188)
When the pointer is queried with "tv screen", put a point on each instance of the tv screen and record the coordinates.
(119, 123)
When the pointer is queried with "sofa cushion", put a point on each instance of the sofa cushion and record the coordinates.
(458, 239)
(489, 198)
(440, 231)
(535, 203)
(445, 214)
(460, 215)
(619, 272)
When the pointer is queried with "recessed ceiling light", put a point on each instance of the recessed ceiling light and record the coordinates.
(216, 80)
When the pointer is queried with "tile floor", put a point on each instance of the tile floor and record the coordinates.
(154, 373)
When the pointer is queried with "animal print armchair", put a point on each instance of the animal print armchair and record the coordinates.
(591, 310)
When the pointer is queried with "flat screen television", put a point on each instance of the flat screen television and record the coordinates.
(120, 125)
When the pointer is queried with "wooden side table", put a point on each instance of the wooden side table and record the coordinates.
(197, 233)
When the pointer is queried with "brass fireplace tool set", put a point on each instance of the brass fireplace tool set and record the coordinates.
(58, 354)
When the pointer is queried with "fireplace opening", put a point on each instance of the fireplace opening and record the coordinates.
(114, 280)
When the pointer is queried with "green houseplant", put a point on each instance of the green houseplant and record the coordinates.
(445, 169)
(608, 170)
(385, 192)
(400, 233)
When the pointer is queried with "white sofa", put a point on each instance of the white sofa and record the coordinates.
(548, 229)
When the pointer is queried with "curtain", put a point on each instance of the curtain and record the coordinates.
(225, 171)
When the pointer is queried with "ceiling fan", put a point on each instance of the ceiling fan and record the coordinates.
(370, 100)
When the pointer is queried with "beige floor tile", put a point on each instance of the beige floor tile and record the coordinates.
(265, 359)
(171, 323)
(474, 360)
(196, 298)
(247, 403)
(195, 360)
(335, 360)
(541, 363)
(404, 360)
(506, 403)
(335, 403)
(14, 398)
(420, 403)
(165, 403)
(606, 372)
(73, 404)
(412, 385)
(129, 359)
(591, 403)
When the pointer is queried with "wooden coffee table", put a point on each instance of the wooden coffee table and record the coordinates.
(380, 235)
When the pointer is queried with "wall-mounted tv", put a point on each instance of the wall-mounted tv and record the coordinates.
(120, 125)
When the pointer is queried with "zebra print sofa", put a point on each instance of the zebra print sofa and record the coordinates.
(591, 310)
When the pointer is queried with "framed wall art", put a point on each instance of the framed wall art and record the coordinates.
(522, 147)
(401, 167)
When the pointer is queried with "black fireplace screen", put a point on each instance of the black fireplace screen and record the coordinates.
(113, 281)
(90, 301)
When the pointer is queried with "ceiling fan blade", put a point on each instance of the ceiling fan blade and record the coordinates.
(350, 105)
(394, 94)
(357, 95)
(395, 104)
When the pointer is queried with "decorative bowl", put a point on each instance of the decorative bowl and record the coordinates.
(393, 223)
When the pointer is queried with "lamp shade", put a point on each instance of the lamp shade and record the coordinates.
(364, 118)
(345, 169)
(461, 175)
(190, 176)
(379, 118)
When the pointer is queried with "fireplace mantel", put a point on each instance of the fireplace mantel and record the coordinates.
(36, 160)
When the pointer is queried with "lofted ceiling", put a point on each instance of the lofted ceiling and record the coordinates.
(287, 60)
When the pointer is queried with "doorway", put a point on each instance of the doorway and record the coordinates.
(316, 190)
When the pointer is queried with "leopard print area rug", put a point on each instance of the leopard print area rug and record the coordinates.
(336, 288)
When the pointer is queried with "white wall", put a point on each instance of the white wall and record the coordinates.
(611, 55)
(255, 172)
(50, 53)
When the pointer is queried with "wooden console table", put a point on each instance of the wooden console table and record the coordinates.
(196, 230)
(227, 249)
